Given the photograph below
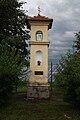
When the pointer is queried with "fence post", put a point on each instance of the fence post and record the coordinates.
(51, 76)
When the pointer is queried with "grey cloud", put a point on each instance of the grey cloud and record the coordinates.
(66, 16)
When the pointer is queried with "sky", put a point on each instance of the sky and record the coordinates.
(66, 22)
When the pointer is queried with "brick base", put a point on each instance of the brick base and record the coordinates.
(38, 91)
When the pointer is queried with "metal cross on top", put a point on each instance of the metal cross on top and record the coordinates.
(39, 10)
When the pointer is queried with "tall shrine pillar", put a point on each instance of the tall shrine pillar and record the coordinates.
(38, 86)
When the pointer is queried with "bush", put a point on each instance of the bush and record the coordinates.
(68, 77)
(9, 71)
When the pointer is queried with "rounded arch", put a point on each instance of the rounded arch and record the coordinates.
(39, 35)
(38, 57)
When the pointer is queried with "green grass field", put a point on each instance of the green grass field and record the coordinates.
(52, 109)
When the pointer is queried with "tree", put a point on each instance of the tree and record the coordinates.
(9, 72)
(68, 75)
(12, 26)
(12, 45)
(77, 41)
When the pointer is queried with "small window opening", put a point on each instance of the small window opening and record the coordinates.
(38, 63)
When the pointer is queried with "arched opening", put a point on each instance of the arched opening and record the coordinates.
(38, 57)
(39, 35)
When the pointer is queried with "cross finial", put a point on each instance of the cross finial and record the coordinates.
(39, 10)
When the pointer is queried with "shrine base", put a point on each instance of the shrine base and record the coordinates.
(38, 91)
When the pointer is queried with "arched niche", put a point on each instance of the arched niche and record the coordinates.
(39, 35)
(38, 57)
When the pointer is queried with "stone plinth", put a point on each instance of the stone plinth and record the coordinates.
(38, 91)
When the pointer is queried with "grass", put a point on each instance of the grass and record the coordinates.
(21, 88)
(52, 109)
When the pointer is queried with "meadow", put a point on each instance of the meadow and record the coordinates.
(54, 108)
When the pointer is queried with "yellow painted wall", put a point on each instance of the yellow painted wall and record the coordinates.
(41, 79)
(34, 29)
(43, 67)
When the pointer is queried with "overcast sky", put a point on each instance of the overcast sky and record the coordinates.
(66, 16)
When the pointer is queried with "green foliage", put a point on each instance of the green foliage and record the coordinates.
(22, 87)
(11, 18)
(77, 41)
(68, 77)
(12, 26)
(13, 47)
(10, 69)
